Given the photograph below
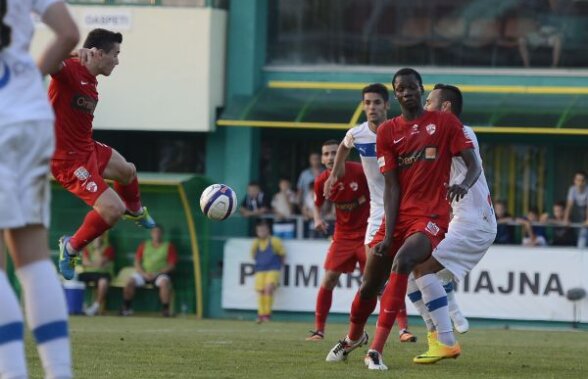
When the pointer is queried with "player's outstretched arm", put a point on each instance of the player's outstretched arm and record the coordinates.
(391, 206)
(474, 169)
(338, 170)
(59, 20)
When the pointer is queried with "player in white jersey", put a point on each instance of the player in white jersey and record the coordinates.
(26, 146)
(363, 138)
(471, 232)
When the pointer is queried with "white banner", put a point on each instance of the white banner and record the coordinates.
(511, 282)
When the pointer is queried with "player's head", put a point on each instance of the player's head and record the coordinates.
(445, 98)
(329, 150)
(375, 102)
(156, 233)
(408, 88)
(262, 229)
(108, 45)
(580, 179)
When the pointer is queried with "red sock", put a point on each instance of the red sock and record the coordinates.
(390, 304)
(92, 227)
(130, 194)
(402, 318)
(361, 309)
(323, 305)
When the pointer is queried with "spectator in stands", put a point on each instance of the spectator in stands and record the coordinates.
(268, 253)
(283, 208)
(284, 202)
(308, 175)
(98, 267)
(562, 235)
(505, 230)
(154, 261)
(254, 205)
(548, 34)
(576, 204)
(533, 234)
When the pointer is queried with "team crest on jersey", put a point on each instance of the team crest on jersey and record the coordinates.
(415, 129)
(431, 129)
(354, 186)
(432, 228)
(92, 187)
(81, 173)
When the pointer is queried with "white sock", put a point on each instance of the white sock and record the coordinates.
(415, 296)
(435, 298)
(12, 353)
(47, 317)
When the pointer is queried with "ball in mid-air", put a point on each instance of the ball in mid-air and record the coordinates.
(218, 202)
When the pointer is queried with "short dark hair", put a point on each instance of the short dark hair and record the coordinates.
(102, 39)
(534, 210)
(378, 88)
(254, 183)
(453, 95)
(560, 203)
(408, 71)
(263, 222)
(580, 172)
(331, 142)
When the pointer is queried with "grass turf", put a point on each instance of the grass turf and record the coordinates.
(150, 347)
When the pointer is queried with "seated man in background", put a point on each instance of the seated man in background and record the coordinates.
(533, 234)
(154, 261)
(562, 235)
(98, 266)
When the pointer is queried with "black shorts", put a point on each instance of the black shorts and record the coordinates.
(87, 277)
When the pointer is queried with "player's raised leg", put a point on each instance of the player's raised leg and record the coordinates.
(126, 185)
(364, 303)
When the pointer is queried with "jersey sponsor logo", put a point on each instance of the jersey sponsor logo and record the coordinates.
(432, 228)
(381, 162)
(431, 128)
(5, 75)
(81, 173)
(351, 205)
(429, 153)
(84, 103)
(92, 187)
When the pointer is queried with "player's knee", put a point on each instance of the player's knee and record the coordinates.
(368, 290)
(403, 264)
(130, 173)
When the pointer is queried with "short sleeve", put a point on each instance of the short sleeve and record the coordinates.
(66, 74)
(571, 194)
(278, 246)
(41, 6)
(319, 198)
(385, 151)
(349, 140)
(459, 138)
(139, 254)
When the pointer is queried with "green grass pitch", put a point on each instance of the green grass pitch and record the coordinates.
(152, 347)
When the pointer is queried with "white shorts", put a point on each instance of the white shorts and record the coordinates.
(140, 281)
(372, 228)
(25, 152)
(462, 249)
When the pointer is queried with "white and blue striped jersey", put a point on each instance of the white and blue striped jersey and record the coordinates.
(364, 140)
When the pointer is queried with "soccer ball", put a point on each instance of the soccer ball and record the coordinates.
(218, 202)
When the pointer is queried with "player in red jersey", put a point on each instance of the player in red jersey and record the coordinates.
(351, 197)
(414, 153)
(81, 164)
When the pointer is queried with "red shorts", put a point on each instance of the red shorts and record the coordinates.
(344, 254)
(82, 176)
(407, 228)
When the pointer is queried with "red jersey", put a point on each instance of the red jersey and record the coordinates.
(421, 151)
(351, 198)
(74, 97)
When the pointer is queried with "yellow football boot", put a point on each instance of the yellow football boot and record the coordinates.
(438, 351)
